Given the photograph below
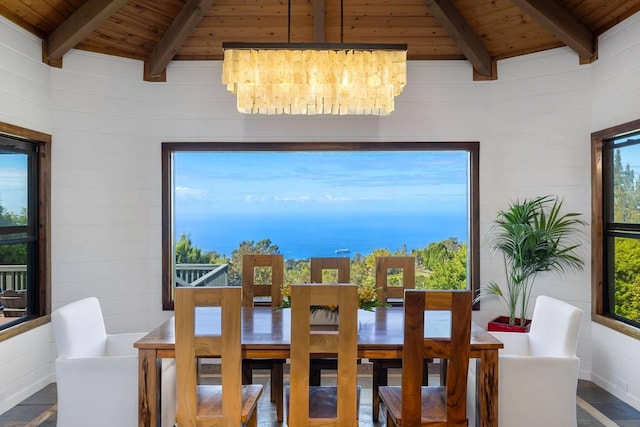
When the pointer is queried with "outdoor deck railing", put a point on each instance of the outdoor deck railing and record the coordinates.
(13, 277)
(202, 275)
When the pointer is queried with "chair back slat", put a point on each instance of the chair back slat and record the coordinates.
(226, 344)
(455, 349)
(341, 264)
(251, 289)
(383, 264)
(306, 341)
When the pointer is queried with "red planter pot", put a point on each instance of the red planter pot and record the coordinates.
(501, 324)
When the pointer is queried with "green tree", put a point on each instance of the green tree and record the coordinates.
(451, 273)
(626, 192)
(361, 272)
(13, 254)
(296, 271)
(186, 253)
(626, 203)
(437, 253)
(447, 260)
(627, 278)
(11, 218)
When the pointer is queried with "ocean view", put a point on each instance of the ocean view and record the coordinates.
(312, 204)
(304, 236)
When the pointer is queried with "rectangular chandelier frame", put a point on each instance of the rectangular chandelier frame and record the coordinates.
(315, 46)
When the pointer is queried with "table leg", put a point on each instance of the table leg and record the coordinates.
(487, 389)
(148, 386)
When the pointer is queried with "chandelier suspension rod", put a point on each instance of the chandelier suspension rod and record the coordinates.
(289, 22)
(314, 78)
(341, 21)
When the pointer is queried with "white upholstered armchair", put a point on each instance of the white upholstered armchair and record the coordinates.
(97, 373)
(538, 370)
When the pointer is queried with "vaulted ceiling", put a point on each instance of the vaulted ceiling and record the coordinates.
(160, 31)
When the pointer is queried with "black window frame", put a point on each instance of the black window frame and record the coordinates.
(38, 147)
(604, 229)
(168, 148)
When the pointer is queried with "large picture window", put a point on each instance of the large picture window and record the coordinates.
(23, 227)
(303, 200)
(617, 227)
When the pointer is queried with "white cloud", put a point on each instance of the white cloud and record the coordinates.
(302, 199)
(252, 198)
(190, 193)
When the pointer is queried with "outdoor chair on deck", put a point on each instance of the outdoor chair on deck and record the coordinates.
(229, 404)
(538, 370)
(323, 405)
(97, 373)
(14, 302)
(342, 268)
(251, 290)
(413, 404)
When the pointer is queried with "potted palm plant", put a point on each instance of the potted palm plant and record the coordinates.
(533, 236)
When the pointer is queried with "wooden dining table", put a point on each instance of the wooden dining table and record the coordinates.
(266, 334)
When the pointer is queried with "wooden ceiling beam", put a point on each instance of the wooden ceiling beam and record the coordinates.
(561, 24)
(79, 25)
(186, 21)
(458, 28)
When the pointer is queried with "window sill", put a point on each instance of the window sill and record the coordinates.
(24, 327)
(616, 325)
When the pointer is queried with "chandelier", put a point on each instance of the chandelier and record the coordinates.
(314, 78)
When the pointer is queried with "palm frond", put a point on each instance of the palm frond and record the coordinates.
(534, 236)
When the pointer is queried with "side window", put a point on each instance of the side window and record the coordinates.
(303, 200)
(23, 280)
(616, 227)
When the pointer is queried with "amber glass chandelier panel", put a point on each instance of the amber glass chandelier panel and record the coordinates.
(314, 78)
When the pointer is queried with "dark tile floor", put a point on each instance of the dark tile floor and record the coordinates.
(596, 407)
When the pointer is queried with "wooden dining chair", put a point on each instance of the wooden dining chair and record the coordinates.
(229, 404)
(323, 405)
(342, 268)
(413, 404)
(251, 290)
(394, 294)
(341, 264)
(391, 295)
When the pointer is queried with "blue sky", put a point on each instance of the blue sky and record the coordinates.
(631, 154)
(306, 182)
(13, 181)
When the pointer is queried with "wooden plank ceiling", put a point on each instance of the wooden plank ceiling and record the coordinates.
(159, 31)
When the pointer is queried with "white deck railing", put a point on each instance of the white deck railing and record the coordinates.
(13, 277)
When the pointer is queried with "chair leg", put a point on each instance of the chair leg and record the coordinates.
(253, 420)
(277, 389)
(272, 373)
(390, 422)
(443, 371)
(247, 373)
(425, 371)
(379, 379)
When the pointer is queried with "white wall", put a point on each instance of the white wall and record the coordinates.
(25, 100)
(533, 125)
(539, 144)
(616, 100)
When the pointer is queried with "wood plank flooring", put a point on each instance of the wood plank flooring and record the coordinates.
(596, 407)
